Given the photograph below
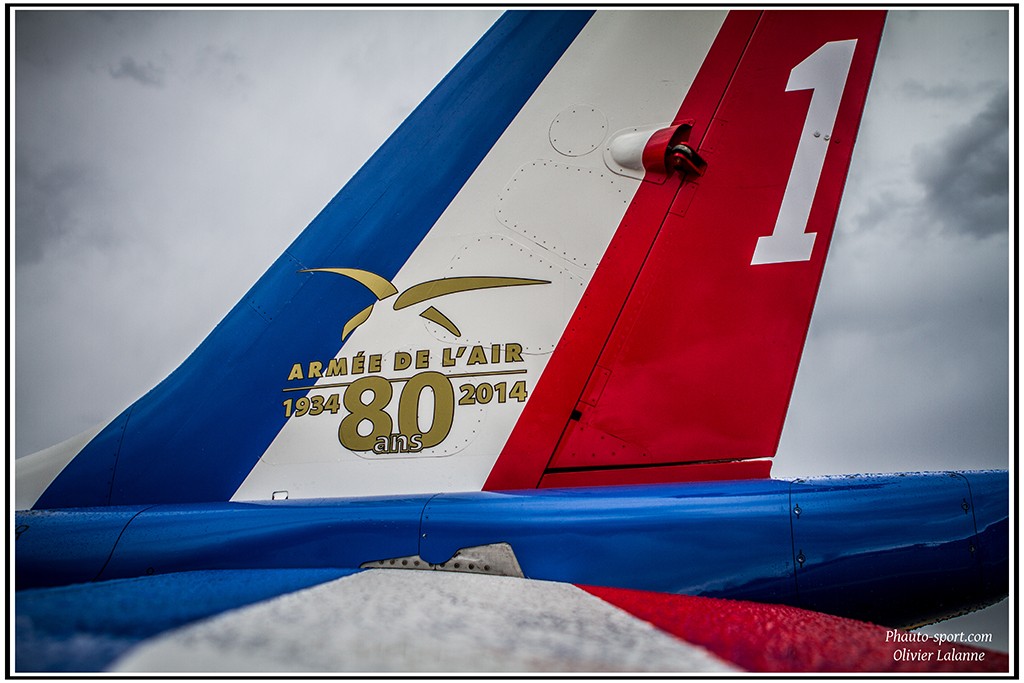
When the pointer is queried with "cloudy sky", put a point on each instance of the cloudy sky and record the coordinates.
(906, 365)
(163, 159)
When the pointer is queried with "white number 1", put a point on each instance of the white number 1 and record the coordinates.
(824, 72)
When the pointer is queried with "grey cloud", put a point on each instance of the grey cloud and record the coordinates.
(966, 176)
(123, 45)
(219, 56)
(874, 212)
(943, 91)
(914, 88)
(147, 74)
(67, 41)
(45, 206)
(52, 38)
(223, 67)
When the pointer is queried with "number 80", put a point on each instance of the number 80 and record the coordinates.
(373, 410)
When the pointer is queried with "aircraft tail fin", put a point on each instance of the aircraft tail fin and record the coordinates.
(585, 258)
(708, 319)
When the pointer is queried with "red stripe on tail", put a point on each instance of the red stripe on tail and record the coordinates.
(533, 441)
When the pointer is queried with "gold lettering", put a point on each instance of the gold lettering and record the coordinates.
(477, 356)
(315, 369)
(422, 359)
(374, 363)
(337, 366)
(402, 360)
(296, 372)
(358, 364)
(513, 353)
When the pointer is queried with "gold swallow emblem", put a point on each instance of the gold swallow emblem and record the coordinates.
(425, 291)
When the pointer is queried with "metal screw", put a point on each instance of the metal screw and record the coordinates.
(801, 559)
(797, 510)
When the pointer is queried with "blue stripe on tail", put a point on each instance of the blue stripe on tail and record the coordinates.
(196, 436)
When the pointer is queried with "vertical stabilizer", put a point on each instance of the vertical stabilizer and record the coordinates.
(588, 257)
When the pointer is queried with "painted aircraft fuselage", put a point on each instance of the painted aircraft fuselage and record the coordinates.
(897, 550)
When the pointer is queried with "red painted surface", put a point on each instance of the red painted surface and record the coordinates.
(746, 469)
(777, 638)
(533, 441)
(702, 359)
(654, 153)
